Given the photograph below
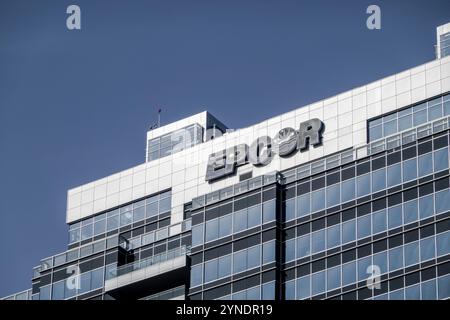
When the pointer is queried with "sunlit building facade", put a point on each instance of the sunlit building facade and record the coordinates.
(346, 198)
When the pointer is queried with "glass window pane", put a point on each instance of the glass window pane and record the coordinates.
(254, 216)
(363, 264)
(253, 293)
(375, 133)
(211, 270)
(427, 249)
(396, 295)
(389, 127)
(253, 257)
(269, 211)
(303, 246)
(240, 221)
(150, 237)
(420, 117)
(303, 287)
(85, 282)
(318, 283)
(126, 218)
(333, 278)
(411, 253)
(381, 297)
(240, 295)
(434, 112)
(333, 236)
(424, 166)
(426, 206)
(74, 235)
(86, 232)
(409, 169)
(363, 185)
(290, 250)
(349, 273)
(152, 209)
(240, 261)
(348, 190)
(379, 180)
(395, 217)
(380, 259)
(410, 211)
(97, 279)
(318, 241)
(333, 195)
(268, 291)
(212, 230)
(113, 222)
(318, 200)
(413, 292)
(394, 175)
(224, 266)
(444, 287)
(44, 292)
(428, 290)
(441, 159)
(349, 231)
(303, 205)
(138, 214)
(404, 123)
(99, 227)
(196, 275)
(290, 209)
(443, 243)
(395, 258)
(446, 107)
(268, 252)
(197, 235)
(442, 201)
(225, 225)
(364, 226)
(71, 291)
(164, 205)
(162, 233)
(58, 290)
(289, 290)
(379, 221)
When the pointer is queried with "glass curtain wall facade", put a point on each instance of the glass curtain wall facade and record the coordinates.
(361, 213)
(445, 44)
(390, 210)
(234, 247)
(316, 231)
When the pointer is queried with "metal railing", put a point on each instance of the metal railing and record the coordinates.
(407, 136)
(383, 144)
(113, 241)
(168, 294)
(234, 190)
(23, 295)
(144, 263)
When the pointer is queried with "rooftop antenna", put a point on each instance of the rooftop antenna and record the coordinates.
(158, 124)
(159, 117)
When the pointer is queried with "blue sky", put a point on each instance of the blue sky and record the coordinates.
(75, 105)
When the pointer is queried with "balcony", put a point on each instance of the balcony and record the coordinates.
(148, 276)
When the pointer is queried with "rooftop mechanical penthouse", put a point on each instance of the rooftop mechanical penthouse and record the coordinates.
(304, 205)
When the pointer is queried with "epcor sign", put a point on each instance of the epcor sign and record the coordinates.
(262, 150)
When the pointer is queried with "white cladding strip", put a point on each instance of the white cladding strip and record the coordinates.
(345, 120)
